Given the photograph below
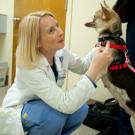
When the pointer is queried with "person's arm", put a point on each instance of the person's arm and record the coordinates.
(64, 101)
(101, 60)
(71, 100)
(79, 64)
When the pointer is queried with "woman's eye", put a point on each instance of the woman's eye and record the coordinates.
(57, 25)
(51, 30)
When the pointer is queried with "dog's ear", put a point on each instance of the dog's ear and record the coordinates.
(105, 4)
(105, 11)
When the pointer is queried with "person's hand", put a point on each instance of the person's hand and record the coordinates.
(101, 60)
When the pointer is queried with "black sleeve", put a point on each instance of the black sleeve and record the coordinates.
(121, 8)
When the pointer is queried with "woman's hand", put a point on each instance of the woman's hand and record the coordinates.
(101, 60)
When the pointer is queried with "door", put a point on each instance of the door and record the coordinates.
(23, 7)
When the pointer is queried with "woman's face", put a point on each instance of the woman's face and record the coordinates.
(51, 35)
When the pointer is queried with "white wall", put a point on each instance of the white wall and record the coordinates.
(81, 39)
(6, 41)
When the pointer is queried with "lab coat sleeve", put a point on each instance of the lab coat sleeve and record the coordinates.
(78, 64)
(64, 101)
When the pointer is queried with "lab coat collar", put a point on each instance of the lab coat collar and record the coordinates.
(59, 60)
(45, 66)
(43, 62)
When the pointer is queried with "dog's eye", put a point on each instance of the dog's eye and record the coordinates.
(94, 18)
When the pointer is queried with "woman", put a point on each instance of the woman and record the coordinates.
(42, 63)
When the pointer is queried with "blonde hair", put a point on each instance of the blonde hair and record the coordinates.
(27, 53)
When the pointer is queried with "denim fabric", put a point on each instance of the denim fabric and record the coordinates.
(40, 119)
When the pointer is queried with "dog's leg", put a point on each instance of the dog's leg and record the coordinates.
(117, 95)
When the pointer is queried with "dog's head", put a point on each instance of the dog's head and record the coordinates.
(108, 25)
(105, 20)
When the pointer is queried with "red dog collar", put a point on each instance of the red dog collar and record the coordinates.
(114, 46)
(117, 67)
(118, 47)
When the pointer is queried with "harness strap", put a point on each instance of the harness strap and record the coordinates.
(129, 64)
(112, 45)
(118, 47)
(118, 67)
(122, 47)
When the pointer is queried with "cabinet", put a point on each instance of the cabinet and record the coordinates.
(3, 74)
(3, 23)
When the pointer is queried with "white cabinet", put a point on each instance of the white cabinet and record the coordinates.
(3, 74)
(3, 23)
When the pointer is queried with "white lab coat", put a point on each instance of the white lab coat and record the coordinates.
(10, 123)
(39, 82)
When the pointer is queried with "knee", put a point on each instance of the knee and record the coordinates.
(52, 126)
(82, 113)
(54, 121)
(57, 120)
(41, 115)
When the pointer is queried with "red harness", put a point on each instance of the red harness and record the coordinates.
(115, 46)
(118, 47)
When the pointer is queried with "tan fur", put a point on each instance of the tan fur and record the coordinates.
(105, 19)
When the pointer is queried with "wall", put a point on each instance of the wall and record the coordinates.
(81, 39)
(6, 40)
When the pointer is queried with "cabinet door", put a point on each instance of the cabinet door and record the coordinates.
(23, 7)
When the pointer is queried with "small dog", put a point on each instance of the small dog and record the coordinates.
(108, 26)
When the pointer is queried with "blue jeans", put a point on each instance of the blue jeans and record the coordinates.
(40, 119)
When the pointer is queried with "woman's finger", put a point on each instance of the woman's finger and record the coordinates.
(107, 47)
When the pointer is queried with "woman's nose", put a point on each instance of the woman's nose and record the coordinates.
(61, 31)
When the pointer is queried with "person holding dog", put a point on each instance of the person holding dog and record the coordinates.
(42, 62)
(125, 9)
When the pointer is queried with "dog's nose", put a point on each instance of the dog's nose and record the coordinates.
(88, 24)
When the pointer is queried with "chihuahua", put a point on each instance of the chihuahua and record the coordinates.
(107, 23)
